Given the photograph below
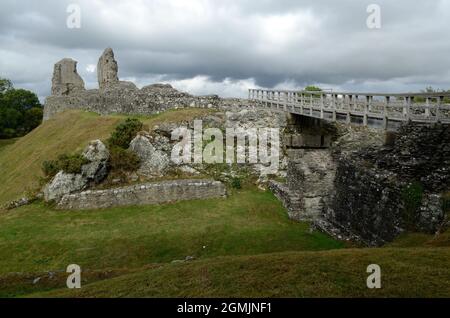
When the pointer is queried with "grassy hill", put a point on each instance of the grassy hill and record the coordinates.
(340, 273)
(20, 161)
(243, 245)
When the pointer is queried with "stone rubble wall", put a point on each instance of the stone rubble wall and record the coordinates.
(368, 203)
(144, 194)
(355, 189)
(133, 101)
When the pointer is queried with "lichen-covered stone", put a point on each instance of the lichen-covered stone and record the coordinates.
(153, 161)
(96, 170)
(62, 184)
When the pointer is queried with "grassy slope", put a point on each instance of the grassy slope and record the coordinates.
(6, 142)
(20, 165)
(340, 273)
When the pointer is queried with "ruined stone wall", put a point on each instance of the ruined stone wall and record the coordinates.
(120, 97)
(369, 200)
(144, 194)
(146, 101)
(358, 188)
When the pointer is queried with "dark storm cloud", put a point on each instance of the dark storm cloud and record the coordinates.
(208, 45)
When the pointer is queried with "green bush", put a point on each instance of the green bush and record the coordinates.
(123, 159)
(66, 163)
(124, 133)
(50, 168)
(412, 196)
(236, 183)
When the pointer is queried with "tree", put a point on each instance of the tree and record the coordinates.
(32, 118)
(5, 85)
(312, 88)
(20, 110)
(20, 99)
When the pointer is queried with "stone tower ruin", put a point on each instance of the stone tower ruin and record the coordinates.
(66, 79)
(107, 70)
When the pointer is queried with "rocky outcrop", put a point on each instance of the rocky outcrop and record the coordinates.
(144, 194)
(152, 151)
(98, 155)
(66, 80)
(62, 184)
(93, 172)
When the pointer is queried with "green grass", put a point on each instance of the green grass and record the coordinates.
(36, 238)
(339, 273)
(6, 142)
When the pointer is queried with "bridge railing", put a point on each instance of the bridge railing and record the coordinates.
(365, 108)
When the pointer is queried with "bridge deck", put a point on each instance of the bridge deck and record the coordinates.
(369, 109)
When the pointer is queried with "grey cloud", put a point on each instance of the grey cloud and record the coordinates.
(271, 41)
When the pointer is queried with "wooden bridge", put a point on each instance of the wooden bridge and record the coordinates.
(386, 111)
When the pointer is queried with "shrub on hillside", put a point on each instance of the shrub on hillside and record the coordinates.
(123, 159)
(124, 133)
(66, 163)
(236, 183)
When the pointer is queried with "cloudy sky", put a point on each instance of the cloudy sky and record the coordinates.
(225, 47)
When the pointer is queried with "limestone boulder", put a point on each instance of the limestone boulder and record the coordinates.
(97, 169)
(154, 161)
(66, 80)
(62, 184)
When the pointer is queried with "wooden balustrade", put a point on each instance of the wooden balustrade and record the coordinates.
(368, 109)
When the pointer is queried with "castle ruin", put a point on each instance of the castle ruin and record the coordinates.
(119, 97)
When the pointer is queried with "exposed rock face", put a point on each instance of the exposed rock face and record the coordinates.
(93, 172)
(66, 80)
(62, 184)
(369, 200)
(151, 151)
(107, 70)
(98, 155)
